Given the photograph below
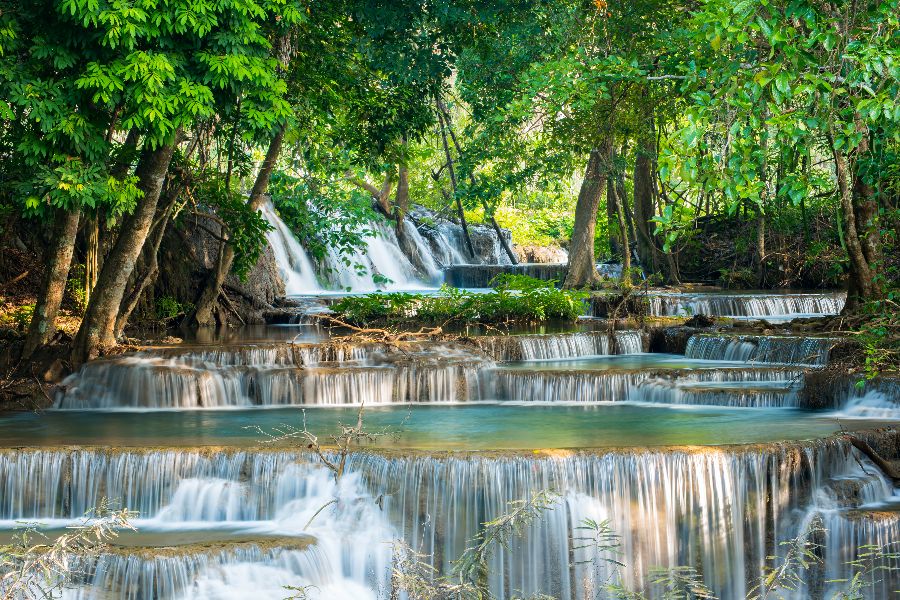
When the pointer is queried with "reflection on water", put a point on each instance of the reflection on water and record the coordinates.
(456, 427)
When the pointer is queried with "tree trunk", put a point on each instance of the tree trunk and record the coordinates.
(401, 197)
(53, 286)
(97, 329)
(582, 270)
(620, 217)
(204, 313)
(91, 256)
(860, 279)
(509, 252)
(459, 208)
(612, 220)
(622, 195)
(644, 205)
(761, 248)
(148, 268)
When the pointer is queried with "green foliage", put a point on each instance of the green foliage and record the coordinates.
(21, 316)
(879, 334)
(168, 308)
(325, 216)
(75, 287)
(512, 281)
(540, 303)
(245, 228)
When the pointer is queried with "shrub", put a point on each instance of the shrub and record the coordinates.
(170, 308)
(541, 302)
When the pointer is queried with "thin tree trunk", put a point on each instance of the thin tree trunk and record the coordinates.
(53, 286)
(401, 197)
(506, 248)
(92, 256)
(620, 217)
(622, 195)
(148, 269)
(509, 252)
(761, 248)
(459, 208)
(97, 329)
(643, 206)
(860, 276)
(582, 270)
(204, 313)
(612, 219)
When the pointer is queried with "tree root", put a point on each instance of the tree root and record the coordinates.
(889, 470)
(381, 335)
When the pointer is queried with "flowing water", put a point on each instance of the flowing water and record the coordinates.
(704, 460)
(773, 307)
(384, 263)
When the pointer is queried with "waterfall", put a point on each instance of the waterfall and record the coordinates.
(327, 374)
(156, 383)
(241, 571)
(430, 244)
(721, 510)
(559, 345)
(296, 268)
(760, 348)
(283, 374)
(381, 258)
(722, 387)
(870, 404)
(747, 305)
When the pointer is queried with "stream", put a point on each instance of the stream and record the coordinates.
(708, 459)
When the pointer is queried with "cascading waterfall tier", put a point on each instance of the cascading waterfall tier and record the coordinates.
(723, 510)
(761, 348)
(386, 262)
(758, 387)
(274, 374)
(296, 267)
(771, 306)
(560, 345)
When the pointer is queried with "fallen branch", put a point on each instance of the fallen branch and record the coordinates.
(889, 470)
(376, 334)
(15, 279)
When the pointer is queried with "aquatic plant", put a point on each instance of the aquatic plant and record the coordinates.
(30, 568)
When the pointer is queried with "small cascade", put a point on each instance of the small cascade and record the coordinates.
(850, 522)
(448, 244)
(237, 570)
(851, 536)
(629, 342)
(771, 306)
(719, 387)
(559, 345)
(296, 268)
(384, 265)
(878, 399)
(721, 510)
(285, 374)
(366, 385)
(761, 349)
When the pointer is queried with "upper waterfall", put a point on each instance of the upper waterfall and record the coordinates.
(412, 260)
(296, 268)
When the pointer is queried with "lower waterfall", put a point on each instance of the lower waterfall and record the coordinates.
(723, 511)
(761, 348)
(739, 305)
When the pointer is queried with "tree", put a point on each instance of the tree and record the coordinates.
(159, 76)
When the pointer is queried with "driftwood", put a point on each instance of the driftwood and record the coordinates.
(889, 470)
(385, 336)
